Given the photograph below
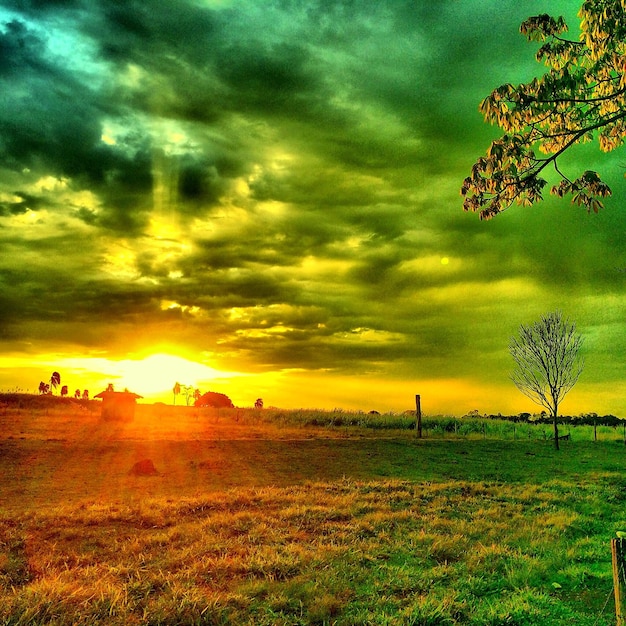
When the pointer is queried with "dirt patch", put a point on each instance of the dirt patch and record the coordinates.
(145, 467)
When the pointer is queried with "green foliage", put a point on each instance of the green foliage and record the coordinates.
(213, 399)
(583, 95)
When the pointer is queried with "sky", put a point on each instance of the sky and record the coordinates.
(261, 198)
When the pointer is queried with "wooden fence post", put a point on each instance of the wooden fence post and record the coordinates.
(618, 553)
(418, 417)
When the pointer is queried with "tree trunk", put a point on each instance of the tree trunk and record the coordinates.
(556, 429)
(418, 417)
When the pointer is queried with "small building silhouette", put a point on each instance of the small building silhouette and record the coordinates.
(118, 405)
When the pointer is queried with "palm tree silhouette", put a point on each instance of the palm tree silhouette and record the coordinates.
(55, 380)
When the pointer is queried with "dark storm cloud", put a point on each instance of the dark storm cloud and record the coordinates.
(42, 116)
(20, 203)
(52, 122)
(36, 7)
(217, 67)
(21, 51)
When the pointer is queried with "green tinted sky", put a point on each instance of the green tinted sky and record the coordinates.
(271, 190)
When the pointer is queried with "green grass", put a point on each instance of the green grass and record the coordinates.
(343, 552)
(252, 522)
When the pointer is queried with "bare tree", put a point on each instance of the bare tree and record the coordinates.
(548, 362)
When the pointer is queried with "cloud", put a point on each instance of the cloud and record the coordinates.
(276, 184)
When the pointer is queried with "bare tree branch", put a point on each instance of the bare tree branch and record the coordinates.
(548, 362)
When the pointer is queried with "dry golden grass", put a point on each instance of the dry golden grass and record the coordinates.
(343, 552)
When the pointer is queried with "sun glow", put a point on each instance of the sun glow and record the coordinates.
(158, 372)
(151, 376)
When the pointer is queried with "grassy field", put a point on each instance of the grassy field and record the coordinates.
(266, 518)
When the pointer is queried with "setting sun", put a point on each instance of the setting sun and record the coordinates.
(157, 373)
(151, 375)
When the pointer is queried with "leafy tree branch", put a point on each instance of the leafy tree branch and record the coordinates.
(581, 97)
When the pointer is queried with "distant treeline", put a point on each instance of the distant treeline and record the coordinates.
(469, 423)
(38, 401)
(586, 419)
